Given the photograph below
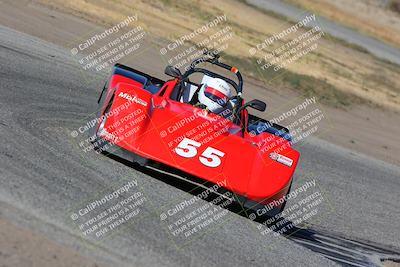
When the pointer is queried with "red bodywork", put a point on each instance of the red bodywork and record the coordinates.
(153, 126)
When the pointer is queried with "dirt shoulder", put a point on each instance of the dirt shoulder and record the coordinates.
(337, 73)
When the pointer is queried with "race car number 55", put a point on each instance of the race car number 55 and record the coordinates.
(211, 157)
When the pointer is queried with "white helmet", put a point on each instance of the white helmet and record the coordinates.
(214, 94)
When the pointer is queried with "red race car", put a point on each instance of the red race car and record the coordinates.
(201, 131)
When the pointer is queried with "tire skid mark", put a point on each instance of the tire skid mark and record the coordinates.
(344, 251)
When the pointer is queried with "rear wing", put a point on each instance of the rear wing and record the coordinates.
(136, 75)
(144, 80)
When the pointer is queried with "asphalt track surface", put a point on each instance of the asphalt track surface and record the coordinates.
(44, 175)
(374, 46)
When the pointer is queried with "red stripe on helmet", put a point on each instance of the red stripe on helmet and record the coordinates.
(215, 92)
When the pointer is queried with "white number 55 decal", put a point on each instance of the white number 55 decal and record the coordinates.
(211, 157)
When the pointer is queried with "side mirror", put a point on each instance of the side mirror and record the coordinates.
(256, 104)
(173, 72)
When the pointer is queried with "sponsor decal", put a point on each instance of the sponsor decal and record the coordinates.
(281, 159)
(133, 98)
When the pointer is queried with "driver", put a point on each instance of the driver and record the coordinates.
(214, 96)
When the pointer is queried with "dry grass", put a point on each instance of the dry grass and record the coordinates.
(337, 73)
(372, 17)
(389, 263)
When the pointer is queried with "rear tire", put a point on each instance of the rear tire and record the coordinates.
(254, 208)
